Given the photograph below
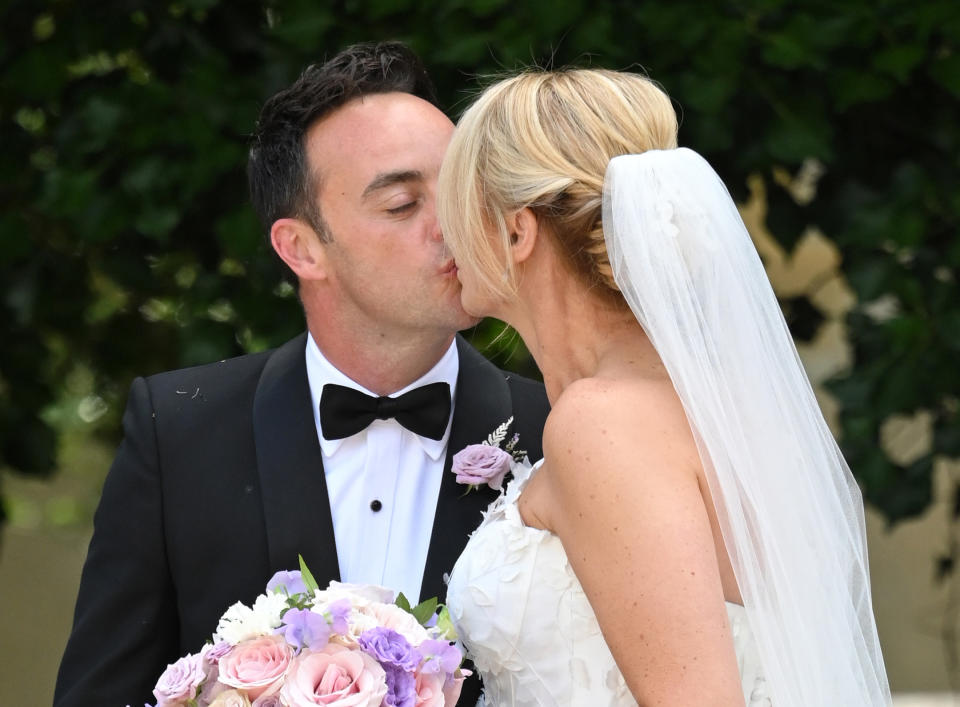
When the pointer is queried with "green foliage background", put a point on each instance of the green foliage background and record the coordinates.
(127, 245)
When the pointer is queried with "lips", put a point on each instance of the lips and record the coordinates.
(449, 268)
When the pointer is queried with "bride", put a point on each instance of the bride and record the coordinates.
(693, 535)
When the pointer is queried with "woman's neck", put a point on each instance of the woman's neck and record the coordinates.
(574, 333)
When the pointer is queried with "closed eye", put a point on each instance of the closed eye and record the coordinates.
(397, 210)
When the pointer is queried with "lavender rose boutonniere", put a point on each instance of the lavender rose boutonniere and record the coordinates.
(478, 464)
(488, 463)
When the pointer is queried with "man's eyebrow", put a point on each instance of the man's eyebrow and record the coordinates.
(386, 179)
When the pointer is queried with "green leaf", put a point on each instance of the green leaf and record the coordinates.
(899, 61)
(851, 87)
(424, 610)
(307, 576)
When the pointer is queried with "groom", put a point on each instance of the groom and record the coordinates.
(228, 471)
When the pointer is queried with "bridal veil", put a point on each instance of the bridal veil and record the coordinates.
(790, 511)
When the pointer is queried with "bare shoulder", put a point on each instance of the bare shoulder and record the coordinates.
(620, 488)
(596, 414)
(611, 429)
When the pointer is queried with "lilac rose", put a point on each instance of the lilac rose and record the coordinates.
(179, 682)
(481, 464)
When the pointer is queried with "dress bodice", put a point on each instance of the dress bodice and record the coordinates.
(529, 628)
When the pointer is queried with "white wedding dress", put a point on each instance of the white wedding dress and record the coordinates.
(526, 622)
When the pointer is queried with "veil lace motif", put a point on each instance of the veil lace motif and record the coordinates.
(790, 511)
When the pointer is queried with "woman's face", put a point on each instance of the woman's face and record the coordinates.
(474, 298)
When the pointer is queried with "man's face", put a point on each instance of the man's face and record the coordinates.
(376, 162)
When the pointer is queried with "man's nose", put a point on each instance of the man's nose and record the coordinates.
(434, 223)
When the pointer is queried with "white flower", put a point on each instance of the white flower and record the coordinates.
(357, 594)
(269, 608)
(240, 622)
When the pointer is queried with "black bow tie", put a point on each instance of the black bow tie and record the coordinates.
(345, 411)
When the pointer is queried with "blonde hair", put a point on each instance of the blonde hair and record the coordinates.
(542, 140)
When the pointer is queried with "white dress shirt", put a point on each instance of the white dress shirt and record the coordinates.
(385, 466)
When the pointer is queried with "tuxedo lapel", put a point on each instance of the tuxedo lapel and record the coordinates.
(483, 402)
(295, 503)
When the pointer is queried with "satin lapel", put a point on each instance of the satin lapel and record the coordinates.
(295, 504)
(482, 403)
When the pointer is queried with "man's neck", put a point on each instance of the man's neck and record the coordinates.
(385, 366)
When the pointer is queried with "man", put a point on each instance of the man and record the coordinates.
(228, 471)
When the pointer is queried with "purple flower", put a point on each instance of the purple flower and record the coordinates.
(304, 628)
(389, 647)
(179, 681)
(401, 687)
(439, 656)
(210, 656)
(289, 581)
(213, 654)
(481, 464)
(336, 613)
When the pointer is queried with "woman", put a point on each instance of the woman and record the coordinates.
(693, 535)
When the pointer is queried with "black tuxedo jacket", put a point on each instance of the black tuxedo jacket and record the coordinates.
(217, 484)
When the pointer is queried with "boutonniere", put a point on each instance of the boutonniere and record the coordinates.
(488, 462)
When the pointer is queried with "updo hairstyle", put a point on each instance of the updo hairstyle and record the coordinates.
(543, 140)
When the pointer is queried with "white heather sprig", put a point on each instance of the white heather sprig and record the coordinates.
(498, 435)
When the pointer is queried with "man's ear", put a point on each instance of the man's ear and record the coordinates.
(524, 231)
(300, 248)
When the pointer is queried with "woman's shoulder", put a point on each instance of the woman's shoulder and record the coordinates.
(606, 419)
(592, 403)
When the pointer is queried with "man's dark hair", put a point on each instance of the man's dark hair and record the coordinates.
(281, 185)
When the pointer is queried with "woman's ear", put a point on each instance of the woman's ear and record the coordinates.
(300, 248)
(524, 231)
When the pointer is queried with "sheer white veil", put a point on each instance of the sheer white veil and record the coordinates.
(790, 511)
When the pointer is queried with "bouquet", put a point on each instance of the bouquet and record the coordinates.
(299, 646)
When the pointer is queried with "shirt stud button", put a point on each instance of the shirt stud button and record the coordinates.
(375, 505)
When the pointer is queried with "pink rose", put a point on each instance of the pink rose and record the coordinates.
(256, 666)
(334, 677)
(451, 689)
(179, 682)
(435, 690)
(429, 687)
(481, 464)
